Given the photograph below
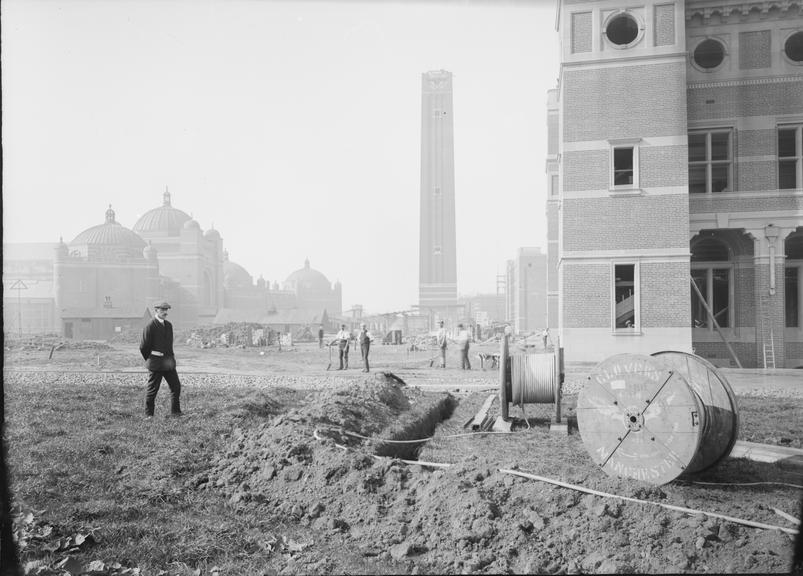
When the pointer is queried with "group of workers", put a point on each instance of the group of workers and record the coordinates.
(343, 339)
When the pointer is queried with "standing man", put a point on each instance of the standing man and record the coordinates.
(342, 340)
(441, 339)
(320, 337)
(463, 340)
(156, 347)
(364, 337)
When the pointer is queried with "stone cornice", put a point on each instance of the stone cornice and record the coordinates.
(745, 82)
(736, 11)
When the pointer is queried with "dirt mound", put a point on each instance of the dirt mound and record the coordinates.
(468, 517)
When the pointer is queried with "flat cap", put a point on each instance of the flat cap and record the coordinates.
(163, 304)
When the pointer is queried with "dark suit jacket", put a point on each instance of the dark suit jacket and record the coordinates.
(156, 336)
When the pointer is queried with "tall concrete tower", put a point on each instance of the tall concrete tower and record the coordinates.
(437, 283)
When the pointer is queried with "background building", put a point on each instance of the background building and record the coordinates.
(526, 293)
(105, 281)
(680, 156)
(191, 258)
(437, 291)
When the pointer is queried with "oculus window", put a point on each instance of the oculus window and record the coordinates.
(793, 47)
(710, 161)
(790, 157)
(622, 29)
(709, 54)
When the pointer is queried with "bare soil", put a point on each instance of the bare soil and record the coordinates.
(315, 453)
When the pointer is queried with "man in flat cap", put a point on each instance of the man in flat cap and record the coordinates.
(156, 347)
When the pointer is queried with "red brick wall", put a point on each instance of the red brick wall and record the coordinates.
(622, 223)
(665, 292)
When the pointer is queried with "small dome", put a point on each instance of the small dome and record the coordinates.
(165, 220)
(211, 233)
(235, 276)
(110, 234)
(307, 279)
(192, 225)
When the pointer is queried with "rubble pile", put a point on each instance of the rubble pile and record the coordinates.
(239, 334)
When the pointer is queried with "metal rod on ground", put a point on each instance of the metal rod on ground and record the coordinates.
(716, 324)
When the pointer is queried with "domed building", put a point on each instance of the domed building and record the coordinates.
(110, 241)
(234, 275)
(190, 258)
(162, 222)
(103, 281)
(106, 279)
(314, 291)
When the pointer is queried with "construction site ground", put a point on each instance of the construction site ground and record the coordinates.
(278, 466)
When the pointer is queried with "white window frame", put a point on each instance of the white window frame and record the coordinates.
(635, 187)
(636, 328)
(708, 162)
(798, 157)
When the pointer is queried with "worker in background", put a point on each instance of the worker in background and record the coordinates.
(441, 341)
(463, 339)
(342, 339)
(320, 337)
(364, 338)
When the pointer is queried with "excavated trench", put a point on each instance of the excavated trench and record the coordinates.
(421, 426)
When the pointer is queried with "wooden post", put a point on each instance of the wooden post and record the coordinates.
(503, 356)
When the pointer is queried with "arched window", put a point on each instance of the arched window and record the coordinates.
(793, 281)
(712, 271)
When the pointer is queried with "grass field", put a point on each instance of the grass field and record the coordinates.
(86, 461)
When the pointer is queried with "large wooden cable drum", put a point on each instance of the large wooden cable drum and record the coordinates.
(654, 418)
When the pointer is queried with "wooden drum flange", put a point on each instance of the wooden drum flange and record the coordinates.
(640, 417)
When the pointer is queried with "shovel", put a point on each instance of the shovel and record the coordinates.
(330, 357)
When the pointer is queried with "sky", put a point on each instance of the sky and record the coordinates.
(291, 127)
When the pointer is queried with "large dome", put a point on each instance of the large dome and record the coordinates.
(109, 236)
(164, 221)
(307, 278)
(235, 276)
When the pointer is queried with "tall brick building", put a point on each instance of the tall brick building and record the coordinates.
(675, 153)
(437, 284)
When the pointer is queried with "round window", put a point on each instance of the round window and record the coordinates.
(622, 29)
(709, 54)
(794, 47)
